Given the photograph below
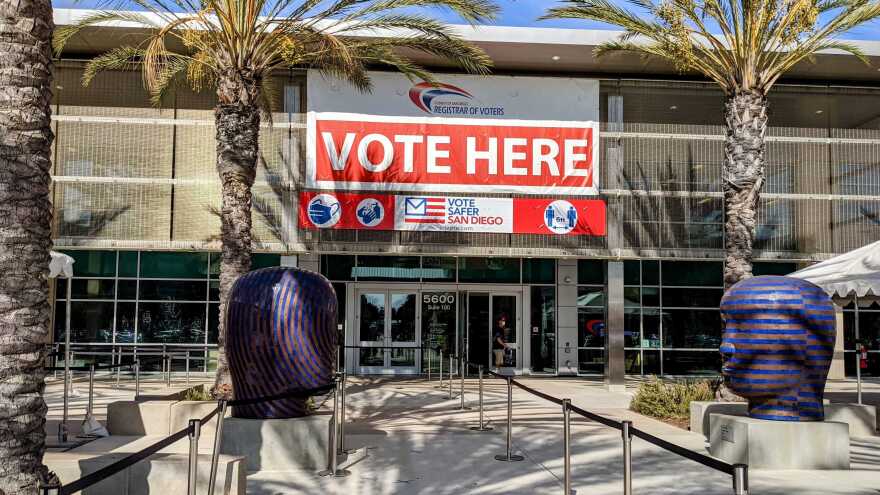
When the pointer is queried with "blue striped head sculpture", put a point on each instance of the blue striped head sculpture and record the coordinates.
(280, 336)
(777, 346)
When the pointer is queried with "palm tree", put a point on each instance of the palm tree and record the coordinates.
(25, 239)
(233, 46)
(744, 46)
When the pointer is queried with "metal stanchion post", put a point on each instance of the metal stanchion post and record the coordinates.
(440, 383)
(332, 460)
(89, 407)
(119, 365)
(218, 435)
(627, 457)
(195, 427)
(463, 368)
(858, 376)
(509, 457)
(137, 378)
(164, 365)
(566, 433)
(740, 479)
(429, 366)
(187, 367)
(342, 449)
(482, 426)
(450, 376)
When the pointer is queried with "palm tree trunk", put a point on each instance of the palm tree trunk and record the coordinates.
(745, 116)
(25, 239)
(238, 127)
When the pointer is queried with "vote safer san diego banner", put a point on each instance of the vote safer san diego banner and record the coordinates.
(340, 210)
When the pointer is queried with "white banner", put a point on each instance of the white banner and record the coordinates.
(453, 214)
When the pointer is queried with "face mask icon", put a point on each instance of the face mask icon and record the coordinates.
(324, 210)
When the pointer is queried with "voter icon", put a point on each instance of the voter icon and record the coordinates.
(324, 210)
(370, 212)
(560, 217)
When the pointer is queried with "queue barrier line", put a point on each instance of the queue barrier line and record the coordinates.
(734, 470)
(109, 470)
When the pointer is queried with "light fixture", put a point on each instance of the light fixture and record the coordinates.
(819, 112)
(674, 107)
(567, 279)
(555, 57)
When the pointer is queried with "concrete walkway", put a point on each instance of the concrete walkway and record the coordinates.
(414, 440)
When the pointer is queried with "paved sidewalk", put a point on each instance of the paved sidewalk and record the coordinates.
(414, 440)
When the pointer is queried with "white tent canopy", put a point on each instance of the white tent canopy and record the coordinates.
(61, 264)
(856, 273)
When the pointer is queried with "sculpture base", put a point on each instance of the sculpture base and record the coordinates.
(765, 444)
(861, 418)
(278, 444)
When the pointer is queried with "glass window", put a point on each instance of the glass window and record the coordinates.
(692, 328)
(591, 296)
(128, 263)
(632, 328)
(93, 288)
(631, 272)
(631, 297)
(214, 290)
(158, 264)
(869, 329)
(337, 267)
(125, 319)
(650, 296)
(171, 322)
(214, 267)
(213, 322)
(543, 329)
(90, 322)
(692, 298)
(591, 361)
(591, 272)
(489, 270)
(60, 288)
(632, 362)
(650, 328)
(763, 268)
(691, 362)
(172, 290)
(127, 289)
(693, 273)
(93, 263)
(650, 272)
(591, 327)
(539, 271)
(402, 268)
(438, 269)
(372, 317)
(403, 317)
(438, 321)
(264, 260)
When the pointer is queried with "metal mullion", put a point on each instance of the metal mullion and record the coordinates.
(115, 298)
(207, 313)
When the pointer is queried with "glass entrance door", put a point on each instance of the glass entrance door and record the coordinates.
(387, 336)
(494, 330)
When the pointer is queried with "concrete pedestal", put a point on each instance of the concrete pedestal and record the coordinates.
(765, 444)
(278, 444)
(861, 418)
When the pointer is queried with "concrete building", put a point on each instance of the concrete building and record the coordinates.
(635, 291)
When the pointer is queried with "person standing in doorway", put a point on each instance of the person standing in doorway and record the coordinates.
(499, 340)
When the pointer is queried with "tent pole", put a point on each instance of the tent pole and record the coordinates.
(858, 367)
(63, 427)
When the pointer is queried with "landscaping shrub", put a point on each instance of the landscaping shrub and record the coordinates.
(199, 392)
(671, 399)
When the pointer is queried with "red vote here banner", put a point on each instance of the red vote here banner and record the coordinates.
(420, 154)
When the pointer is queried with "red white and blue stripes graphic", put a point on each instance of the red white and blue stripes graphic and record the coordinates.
(281, 336)
(777, 345)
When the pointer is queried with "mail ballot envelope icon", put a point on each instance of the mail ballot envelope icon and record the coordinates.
(416, 206)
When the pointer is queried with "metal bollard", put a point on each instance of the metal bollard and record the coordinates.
(858, 376)
(440, 383)
(332, 460)
(482, 426)
(566, 449)
(195, 429)
(342, 449)
(137, 379)
(450, 377)
(509, 457)
(627, 456)
(741, 479)
(212, 481)
(461, 386)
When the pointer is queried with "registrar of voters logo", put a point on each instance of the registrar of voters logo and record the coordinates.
(370, 212)
(324, 211)
(560, 217)
(445, 99)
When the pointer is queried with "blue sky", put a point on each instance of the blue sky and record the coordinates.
(519, 13)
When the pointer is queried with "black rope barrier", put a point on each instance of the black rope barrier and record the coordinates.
(284, 395)
(703, 459)
(110, 470)
(688, 454)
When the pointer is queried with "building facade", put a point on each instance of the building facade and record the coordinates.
(136, 196)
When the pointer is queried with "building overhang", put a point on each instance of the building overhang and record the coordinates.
(536, 50)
